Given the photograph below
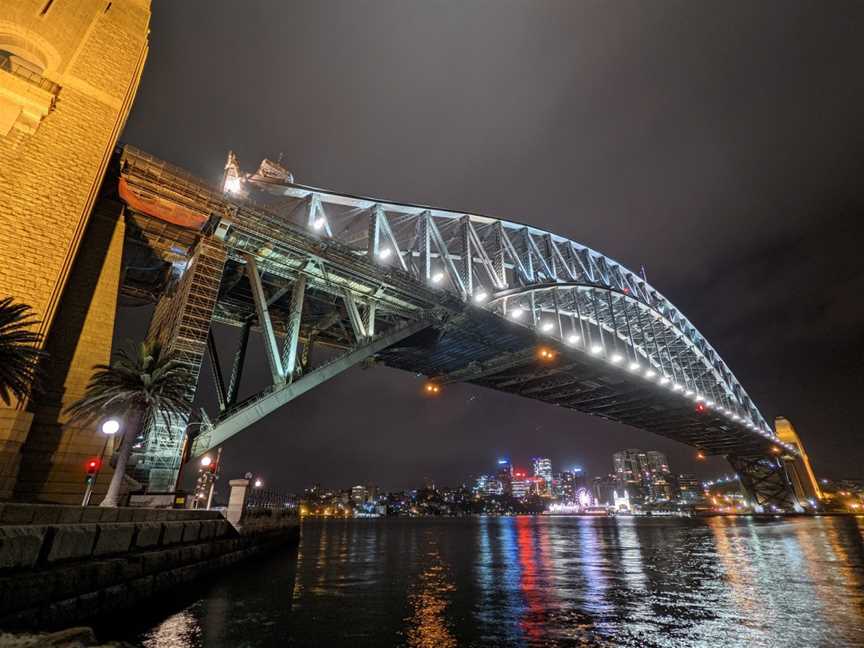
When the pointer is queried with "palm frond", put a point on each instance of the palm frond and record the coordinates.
(19, 350)
(144, 382)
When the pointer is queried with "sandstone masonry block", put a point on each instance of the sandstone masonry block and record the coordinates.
(191, 531)
(148, 535)
(20, 546)
(73, 541)
(114, 538)
(172, 533)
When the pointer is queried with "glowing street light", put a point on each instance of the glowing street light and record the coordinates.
(517, 313)
(206, 460)
(384, 253)
(481, 296)
(258, 483)
(110, 427)
(438, 277)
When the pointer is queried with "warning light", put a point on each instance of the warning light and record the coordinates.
(700, 407)
(93, 466)
(546, 354)
(626, 291)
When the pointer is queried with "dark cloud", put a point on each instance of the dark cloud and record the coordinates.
(717, 144)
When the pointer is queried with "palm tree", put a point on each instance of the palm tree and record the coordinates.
(19, 350)
(142, 385)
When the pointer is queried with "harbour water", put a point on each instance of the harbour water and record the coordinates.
(532, 581)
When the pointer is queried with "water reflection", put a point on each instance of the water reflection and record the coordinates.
(537, 582)
(428, 599)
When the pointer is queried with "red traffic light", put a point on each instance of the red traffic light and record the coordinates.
(93, 466)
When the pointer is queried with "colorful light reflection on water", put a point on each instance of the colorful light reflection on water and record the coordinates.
(543, 581)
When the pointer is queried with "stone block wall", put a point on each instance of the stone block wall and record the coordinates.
(57, 574)
(90, 54)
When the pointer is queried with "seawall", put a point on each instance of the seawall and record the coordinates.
(66, 565)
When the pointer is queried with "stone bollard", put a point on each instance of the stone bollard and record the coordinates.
(237, 501)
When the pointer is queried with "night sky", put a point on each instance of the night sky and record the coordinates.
(719, 145)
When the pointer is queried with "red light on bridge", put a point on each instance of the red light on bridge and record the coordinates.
(700, 407)
(93, 466)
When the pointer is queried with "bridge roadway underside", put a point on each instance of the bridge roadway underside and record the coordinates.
(465, 343)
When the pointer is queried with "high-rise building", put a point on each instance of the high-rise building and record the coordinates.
(505, 475)
(604, 490)
(689, 488)
(644, 475)
(630, 467)
(543, 469)
(359, 494)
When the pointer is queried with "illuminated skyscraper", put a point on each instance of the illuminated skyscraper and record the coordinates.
(543, 470)
(505, 475)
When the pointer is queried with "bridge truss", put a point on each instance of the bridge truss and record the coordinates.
(454, 296)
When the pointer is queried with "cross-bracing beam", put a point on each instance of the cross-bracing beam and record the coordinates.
(279, 396)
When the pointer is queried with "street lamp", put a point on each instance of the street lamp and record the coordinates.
(258, 483)
(109, 429)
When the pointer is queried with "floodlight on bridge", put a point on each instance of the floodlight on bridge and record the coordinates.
(616, 358)
(385, 252)
(574, 339)
(319, 223)
(596, 349)
(664, 380)
(634, 366)
(438, 277)
(517, 313)
(650, 373)
(547, 326)
(481, 297)
(677, 387)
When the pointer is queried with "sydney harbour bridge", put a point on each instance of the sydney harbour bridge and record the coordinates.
(456, 297)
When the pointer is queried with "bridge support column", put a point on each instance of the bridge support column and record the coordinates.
(181, 322)
(53, 457)
(765, 483)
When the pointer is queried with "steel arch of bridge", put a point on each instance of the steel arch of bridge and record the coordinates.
(501, 265)
(304, 266)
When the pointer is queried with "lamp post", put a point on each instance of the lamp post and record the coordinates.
(207, 478)
(109, 429)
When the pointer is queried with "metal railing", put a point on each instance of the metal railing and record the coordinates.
(23, 72)
(262, 502)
